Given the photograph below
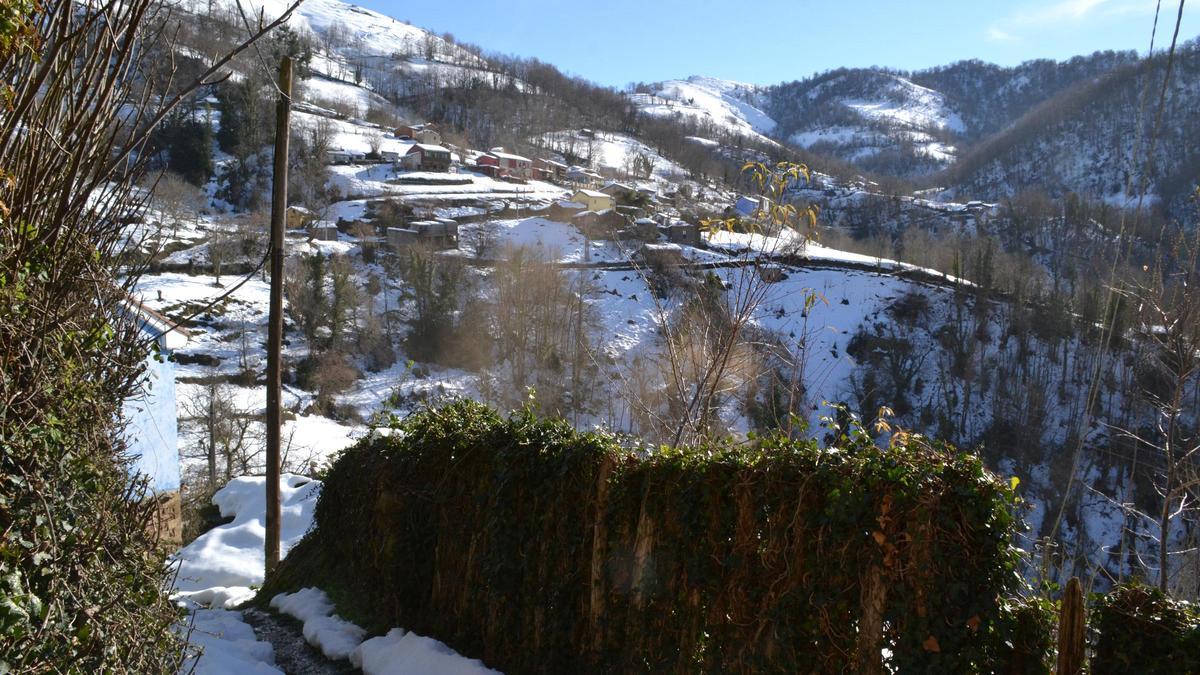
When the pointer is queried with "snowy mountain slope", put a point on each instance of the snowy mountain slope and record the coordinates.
(878, 120)
(364, 31)
(990, 97)
(735, 107)
(1094, 139)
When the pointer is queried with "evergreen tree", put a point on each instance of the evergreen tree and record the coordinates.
(187, 143)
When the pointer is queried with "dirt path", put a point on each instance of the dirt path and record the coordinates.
(293, 654)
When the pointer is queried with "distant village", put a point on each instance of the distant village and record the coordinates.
(600, 208)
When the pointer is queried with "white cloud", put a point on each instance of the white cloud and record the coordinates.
(996, 34)
(1072, 10)
(1032, 16)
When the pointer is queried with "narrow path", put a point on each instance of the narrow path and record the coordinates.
(293, 654)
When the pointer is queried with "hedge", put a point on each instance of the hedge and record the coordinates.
(1138, 629)
(541, 549)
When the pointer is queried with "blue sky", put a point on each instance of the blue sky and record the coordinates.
(767, 41)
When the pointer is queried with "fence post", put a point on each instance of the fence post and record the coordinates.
(1070, 630)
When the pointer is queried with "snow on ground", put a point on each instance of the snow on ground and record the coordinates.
(230, 557)
(366, 30)
(404, 653)
(349, 135)
(320, 90)
(220, 642)
(333, 635)
(613, 152)
(222, 565)
(397, 653)
(898, 110)
(383, 180)
(790, 242)
(554, 241)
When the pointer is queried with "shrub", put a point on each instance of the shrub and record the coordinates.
(1138, 629)
(541, 549)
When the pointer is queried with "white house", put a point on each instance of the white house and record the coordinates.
(151, 431)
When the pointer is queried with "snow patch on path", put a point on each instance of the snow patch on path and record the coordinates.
(404, 653)
(397, 653)
(220, 642)
(333, 635)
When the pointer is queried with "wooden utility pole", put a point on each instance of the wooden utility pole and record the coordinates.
(283, 113)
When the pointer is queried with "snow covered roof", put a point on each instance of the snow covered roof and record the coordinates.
(592, 214)
(591, 193)
(506, 155)
(166, 332)
(428, 147)
(570, 205)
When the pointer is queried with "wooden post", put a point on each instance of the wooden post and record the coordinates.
(1070, 630)
(212, 436)
(283, 112)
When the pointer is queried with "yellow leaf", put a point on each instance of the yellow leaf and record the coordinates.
(1013, 483)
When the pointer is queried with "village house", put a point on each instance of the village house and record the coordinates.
(657, 255)
(599, 224)
(593, 200)
(562, 211)
(499, 164)
(642, 229)
(682, 233)
(323, 231)
(748, 207)
(343, 156)
(549, 170)
(297, 217)
(619, 191)
(425, 157)
(422, 133)
(582, 177)
(440, 233)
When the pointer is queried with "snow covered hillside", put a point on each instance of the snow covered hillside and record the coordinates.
(733, 107)
(865, 117)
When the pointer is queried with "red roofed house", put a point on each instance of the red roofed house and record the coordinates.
(498, 163)
(424, 157)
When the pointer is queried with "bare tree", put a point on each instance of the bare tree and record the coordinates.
(229, 438)
(374, 141)
(482, 238)
(178, 200)
(1168, 300)
(707, 350)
